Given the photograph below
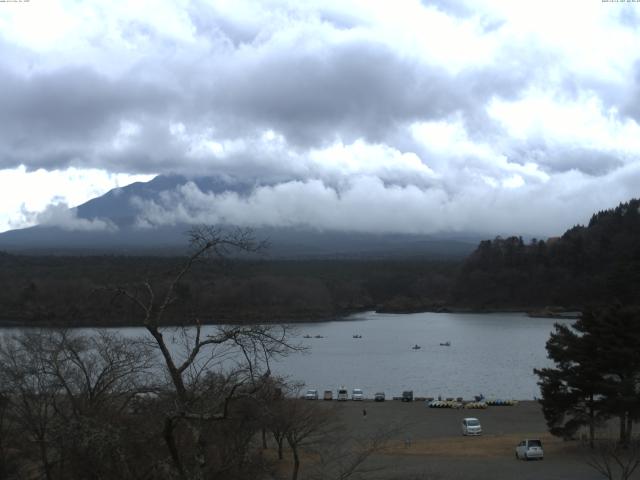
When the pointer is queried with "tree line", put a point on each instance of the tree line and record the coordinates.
(68, 291)
(588, 265)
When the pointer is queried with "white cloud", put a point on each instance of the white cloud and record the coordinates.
(60, 215)
(366, 204)
(24, 194)
(582, 121)
(428, 34)
(446, 144)
(340, 161)
(585, 36)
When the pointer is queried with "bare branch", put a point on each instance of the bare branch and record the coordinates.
(613, 460)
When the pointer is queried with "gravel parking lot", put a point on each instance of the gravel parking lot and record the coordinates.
(427, 443)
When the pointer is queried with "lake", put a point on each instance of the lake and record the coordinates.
(492, 354)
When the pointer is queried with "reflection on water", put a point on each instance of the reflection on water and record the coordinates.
(492, 354)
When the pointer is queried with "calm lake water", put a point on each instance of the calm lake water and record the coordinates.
(492, 354)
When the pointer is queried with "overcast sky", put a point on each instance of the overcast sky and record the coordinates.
(449, 115)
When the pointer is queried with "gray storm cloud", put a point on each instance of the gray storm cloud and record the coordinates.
(431, 116)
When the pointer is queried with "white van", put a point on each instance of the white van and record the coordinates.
(530, 450)
(343, 394)
(471, 426)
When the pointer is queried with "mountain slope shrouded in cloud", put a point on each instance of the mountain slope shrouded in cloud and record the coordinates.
(155, 216)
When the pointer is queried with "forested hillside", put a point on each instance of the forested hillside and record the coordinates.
(79, 290)
(596, 264)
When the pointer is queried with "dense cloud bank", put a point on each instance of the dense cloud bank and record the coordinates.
(367, 204)
(414, 117)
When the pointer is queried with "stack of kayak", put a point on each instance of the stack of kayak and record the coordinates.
(444, 404)
(476, 405)
(501, 403)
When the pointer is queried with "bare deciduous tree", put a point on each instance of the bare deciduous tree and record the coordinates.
(64, 393)
(6, 463)
(302, 424)
(31, 394)
(240, 353)
(97, 371)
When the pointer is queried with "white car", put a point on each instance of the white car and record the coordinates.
(311, 395)
(530, 449)
(471, 426)
(357, 394)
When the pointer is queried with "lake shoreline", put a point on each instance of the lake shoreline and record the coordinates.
(227, 319)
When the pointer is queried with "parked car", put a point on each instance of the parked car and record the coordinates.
(343, 394)
(379, 397)
(357, 394)
(311, 395)
(328, 395)
(471, 426)
(530, 449)
(407, 396)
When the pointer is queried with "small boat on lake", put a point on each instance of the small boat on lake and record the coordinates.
(307, 336)
(445, 344)
(319, 336)
(416, 347)
(357, 336)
